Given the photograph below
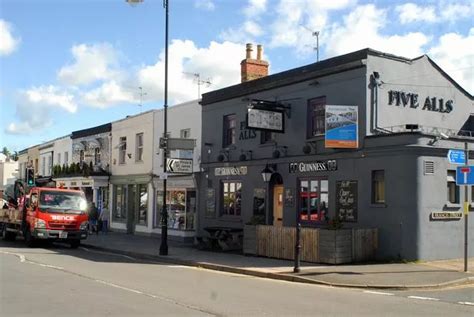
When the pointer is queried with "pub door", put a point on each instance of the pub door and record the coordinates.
(278, 205)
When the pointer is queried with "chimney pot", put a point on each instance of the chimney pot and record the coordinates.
(259, 52)
(249, 51)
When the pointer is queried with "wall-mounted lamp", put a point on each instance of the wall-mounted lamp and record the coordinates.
(279, 150)
(308, 147)
(223, 156)
(245, 155)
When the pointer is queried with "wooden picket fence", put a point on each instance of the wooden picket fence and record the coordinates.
(279, 242)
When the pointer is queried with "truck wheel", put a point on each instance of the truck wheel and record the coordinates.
(29, 239)
(8, 235)
(75, 244)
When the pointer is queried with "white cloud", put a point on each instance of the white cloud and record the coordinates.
(205, 4)
(109, 94)
(362, 29)
(255, 7)
(8, 43)
(34, 107)
(410, 12)
(220, 62)
(454, 55)
(455, 11)
(91, 63)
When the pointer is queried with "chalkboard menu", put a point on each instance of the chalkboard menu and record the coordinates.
(346, 200)
(211, 203)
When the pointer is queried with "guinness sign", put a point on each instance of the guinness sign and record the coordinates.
(318, 166)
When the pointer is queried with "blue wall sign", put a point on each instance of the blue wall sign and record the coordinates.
(456, 157)
(465, 175)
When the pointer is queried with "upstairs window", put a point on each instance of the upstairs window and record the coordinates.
(378, 187)
(122, 149)
(139, 147)
(230, 122)
(185, 133)
(97, 156)
(316, 117)
(267, 137)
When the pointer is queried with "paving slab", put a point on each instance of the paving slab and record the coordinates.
(434, 274)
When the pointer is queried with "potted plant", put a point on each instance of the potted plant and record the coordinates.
(250, 234)
(335, 243)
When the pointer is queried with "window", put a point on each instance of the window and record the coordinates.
(378, 187)
(97, 156)
(142, 204)
(122, 149)
(453, 190)
(81, 156)
(259, 202)
(231, 198)
(50, 165)
(66, 157)
(119, 203)
(139, 147)
(185, 133)
(59, 159)
(316, 115)
(229, 130)
(181, 205)
(314, 198)
(267, 137)
(43, 167)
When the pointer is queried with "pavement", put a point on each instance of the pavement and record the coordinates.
(419, 275)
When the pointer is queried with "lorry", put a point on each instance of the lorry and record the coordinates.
(44, 214)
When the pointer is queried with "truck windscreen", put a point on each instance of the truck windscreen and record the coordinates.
(62, 202)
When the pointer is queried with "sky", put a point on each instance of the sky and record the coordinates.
(67, 65)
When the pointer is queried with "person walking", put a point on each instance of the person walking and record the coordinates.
(93, 218)
(104, 217)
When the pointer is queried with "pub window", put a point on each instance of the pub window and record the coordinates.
(259, 203)
(267, 137)
(453, 189)
(139, 147)
(122, 149)
(378, 187)
(316, 116)
(231, 198)
(97, 156)
(314, 199)
(229, 130)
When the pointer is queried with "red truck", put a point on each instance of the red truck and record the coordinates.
(44, 214)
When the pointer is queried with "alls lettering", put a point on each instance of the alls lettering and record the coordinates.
(400, 98)
(246, 134)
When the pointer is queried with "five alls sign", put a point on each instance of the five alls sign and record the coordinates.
(412, 100)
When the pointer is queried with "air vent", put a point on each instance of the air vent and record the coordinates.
(428, 167)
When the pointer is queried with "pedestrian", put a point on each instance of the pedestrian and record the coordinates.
(104, 217)
(93, 218)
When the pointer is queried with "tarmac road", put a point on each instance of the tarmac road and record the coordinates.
(62, 282)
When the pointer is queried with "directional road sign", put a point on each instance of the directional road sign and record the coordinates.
(457, 157)
(465, 175)
(179, 166)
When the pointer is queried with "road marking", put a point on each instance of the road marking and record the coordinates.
(423, 298)
(466, 303)
(24, 260)
(378, 293)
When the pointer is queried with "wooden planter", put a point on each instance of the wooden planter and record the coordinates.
(335, 246)
(250, 239)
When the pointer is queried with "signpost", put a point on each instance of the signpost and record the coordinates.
(179, 166)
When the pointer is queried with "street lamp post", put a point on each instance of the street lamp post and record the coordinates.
(267, 175)
(164, 213)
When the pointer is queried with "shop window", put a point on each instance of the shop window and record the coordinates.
(142, 204)
(122, 149)
(378, 187)
(230, 122)
(453, 189)
(316, 116)
(231, 198)
(139, 147)
(120, 207)
(314, 199)
(97, 156)
(267, 137)
(181, 207)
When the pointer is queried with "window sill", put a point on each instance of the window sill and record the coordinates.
(453, 205)
(381, 205)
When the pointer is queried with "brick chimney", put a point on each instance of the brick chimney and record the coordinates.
(250, 68)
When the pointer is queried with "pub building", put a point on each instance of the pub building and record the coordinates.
(362, 137)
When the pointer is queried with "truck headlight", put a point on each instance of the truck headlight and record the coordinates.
(83, 225)
(40, 224)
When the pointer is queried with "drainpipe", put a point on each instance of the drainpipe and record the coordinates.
(376, 83)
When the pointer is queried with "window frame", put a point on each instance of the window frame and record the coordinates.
(122, 150)
(312, 116)
(225, 210)
(139, 147)
(457, 189)
(374, 188)
(267, 137)
(320, 217)
(122, 202)
(229, 130)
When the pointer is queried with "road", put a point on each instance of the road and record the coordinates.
(59, 281)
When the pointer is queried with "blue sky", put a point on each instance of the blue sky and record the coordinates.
(69, 65)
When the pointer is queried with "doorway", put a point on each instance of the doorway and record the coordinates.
(278, 205)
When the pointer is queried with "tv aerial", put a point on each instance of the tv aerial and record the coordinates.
(199, 81)
(315, 34)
